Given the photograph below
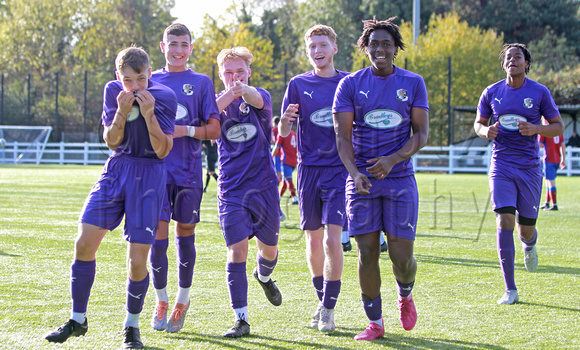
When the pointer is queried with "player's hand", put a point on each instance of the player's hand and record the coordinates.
(527, 129)
(492, 131)
(382, 167)
(362, 184)
(237, 88)
(291, 113)
(146, 103)
(125, 101)
(562, 165)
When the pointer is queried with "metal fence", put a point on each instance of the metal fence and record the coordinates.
(445, 159)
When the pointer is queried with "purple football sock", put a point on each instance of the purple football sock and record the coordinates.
(159, 264)
(405, 290)
(318, 283)
(373, 308)
(136, 292)
(506, 253)
(186, 259)
(266, 267)
(529, 245)
(237, 284)
(82, 278)
(331, 291)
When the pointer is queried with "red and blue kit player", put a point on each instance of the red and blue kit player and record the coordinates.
(197, 119)
(554, 159)
(321, 174)
(139, 118)
(288, 145)
(381, 120)
(510, 113)
(278, 154)
(247, 183)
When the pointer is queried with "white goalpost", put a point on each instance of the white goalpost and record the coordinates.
(23, 144)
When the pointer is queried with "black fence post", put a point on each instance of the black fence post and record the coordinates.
(85, 108)
(28, 102)
(56, 118)
(2, 99)
(449, 118)
(213, 76)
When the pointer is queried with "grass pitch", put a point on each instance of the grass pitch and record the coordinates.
(458, 279)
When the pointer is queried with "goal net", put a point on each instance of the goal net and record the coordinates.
(23, 144)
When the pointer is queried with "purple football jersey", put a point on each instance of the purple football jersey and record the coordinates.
(245, 162)
(507, 105)
(382, 113)
(316, 137)
(195, 103)
(136, 141)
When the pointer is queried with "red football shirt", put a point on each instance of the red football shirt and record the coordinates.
(289, 145)
(552, 148)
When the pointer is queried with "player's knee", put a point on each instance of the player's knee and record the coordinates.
(368, 253)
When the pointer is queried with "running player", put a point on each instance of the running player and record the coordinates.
(509, 113)
(139, 117)
(247, 185)
(197, 118)
(288, 145)
(554, 159)
(321, 174)
(381, 120)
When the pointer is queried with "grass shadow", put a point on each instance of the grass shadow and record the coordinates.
(2, 253)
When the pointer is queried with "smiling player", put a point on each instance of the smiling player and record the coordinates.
(247, 184)
(321, 175)
(510, 113)
(381, 120)
(197, 119)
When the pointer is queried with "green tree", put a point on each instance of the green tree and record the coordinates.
(552, 52)
(69, 37)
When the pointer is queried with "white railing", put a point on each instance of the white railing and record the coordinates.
(451, 159)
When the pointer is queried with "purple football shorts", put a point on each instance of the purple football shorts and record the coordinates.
(128, 186)
(519, 188)
(321, 196)
(257, 213)
(392, 206)
(181, 204)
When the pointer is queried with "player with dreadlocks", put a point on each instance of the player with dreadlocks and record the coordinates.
(381, 117)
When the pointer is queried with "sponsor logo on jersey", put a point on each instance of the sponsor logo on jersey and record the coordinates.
(510, 121)
(322, 117)
(383, 119)
(528, 102)
(402, 95)
(181, 112)
(241, 132)
(134, 114)
(365, 93)
(187, 89)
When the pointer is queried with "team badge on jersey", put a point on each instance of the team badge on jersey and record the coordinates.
(241, 132)
(134, 114)
(510, 121)
(383, 119)
(244, 108)
(187, 89)
(528, 102)
(322, 117)
(402, 95)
